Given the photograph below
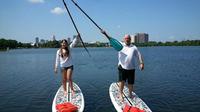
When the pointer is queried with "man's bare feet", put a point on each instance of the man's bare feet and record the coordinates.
(120, 96)
(131, 96)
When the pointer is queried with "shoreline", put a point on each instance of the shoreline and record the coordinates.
(5, 50)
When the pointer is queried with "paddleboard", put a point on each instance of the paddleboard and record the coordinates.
(119, 104)
(76, 99)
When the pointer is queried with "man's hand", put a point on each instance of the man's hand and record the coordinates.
(56, 70)
(141, 66)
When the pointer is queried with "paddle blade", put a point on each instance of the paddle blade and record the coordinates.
(115, 44)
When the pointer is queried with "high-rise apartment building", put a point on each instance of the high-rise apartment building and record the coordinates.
(54, 38)
(37, 41)
(69, 40)
(141, 38)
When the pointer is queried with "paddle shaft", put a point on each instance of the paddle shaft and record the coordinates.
(116, 44)
(90, 19)
(75, 27)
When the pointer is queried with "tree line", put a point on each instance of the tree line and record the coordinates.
(13, 44)
(174, 43)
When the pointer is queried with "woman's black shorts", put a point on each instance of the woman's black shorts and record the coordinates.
(66, 68)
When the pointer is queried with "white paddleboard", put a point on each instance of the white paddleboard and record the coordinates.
(119, 105)
(76, 99)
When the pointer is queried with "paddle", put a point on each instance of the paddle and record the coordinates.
(115, 44)
(75, 27)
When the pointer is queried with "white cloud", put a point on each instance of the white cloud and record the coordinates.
(57, 10)
(36, 1)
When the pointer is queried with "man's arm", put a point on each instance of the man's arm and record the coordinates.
(141, 61)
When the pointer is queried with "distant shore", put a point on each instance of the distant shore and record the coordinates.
(13, 44)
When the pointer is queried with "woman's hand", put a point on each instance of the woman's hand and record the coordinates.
(103, 32)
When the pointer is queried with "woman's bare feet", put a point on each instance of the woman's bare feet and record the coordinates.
(73, 92)
(65, 93)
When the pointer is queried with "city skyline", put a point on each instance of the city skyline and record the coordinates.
(163, 20)
(136, 38)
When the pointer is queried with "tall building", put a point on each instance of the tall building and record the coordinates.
(132, 38)
(74, 36)
(69, 40)
(54, 38)
(78, 41)
(42, 41)
(37, 41)
(141, 38)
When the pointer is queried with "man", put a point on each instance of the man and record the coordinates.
(126, 65)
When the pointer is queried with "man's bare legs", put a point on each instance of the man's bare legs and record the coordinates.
(130, 87)
(121, 87)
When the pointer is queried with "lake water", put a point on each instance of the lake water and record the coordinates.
(169, 83)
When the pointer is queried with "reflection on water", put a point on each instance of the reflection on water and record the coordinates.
(170, 81)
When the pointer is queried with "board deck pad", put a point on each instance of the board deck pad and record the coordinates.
(119, 104)
(76, 99)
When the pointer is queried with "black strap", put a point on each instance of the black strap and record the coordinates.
(68, 92)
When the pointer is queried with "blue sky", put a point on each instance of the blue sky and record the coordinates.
(163, 20)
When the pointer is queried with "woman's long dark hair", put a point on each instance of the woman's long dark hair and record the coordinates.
(66, 48)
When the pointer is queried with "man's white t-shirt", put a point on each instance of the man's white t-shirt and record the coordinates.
(128, 55)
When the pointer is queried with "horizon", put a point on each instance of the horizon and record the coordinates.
(163, 20)
(103, 41)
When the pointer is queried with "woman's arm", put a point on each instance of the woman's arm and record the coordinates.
(75, 41)
(56, 62)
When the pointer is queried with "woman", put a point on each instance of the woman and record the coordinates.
(63, 57)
